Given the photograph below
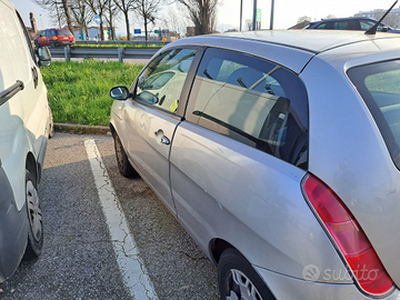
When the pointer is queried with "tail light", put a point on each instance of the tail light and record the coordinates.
(349, 237)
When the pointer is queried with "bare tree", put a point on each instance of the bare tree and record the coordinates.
(81, 15)
(249, 24)
(67, 15)
(303, 18)
(111, 9)
(125, 6)
(330, 16)
(98, 7)
(147, 10)
(202, 13)
(60, 8)
(174, 22)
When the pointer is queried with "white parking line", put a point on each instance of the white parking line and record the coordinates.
(130, 264)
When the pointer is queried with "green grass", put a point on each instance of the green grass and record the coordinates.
(78, 92)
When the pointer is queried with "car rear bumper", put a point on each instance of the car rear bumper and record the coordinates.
(13, 229)
(284, 287)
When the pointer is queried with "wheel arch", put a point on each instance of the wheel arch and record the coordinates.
(217, 246)
(31, 166)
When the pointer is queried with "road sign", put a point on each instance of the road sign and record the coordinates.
(137, 31)
(97, 19)
(156, 31)
(165, 31)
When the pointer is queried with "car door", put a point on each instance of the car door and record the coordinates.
(241, 149)
(153, 115)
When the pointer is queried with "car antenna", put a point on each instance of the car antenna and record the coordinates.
(373, 29)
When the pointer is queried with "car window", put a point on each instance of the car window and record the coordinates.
(161, 82)
(345, 25)
(27, 39)
(365, 25)
(322, 26)
(379, 86)
(253, 101)
(63, 32)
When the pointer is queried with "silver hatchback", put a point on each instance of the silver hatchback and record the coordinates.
(279, 152)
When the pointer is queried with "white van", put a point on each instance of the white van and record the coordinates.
(25, 119)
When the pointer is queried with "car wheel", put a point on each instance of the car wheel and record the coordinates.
(52, 44)
(124, 166)
(35, 224)
(37, 44)
(51, 130)
(238, 280)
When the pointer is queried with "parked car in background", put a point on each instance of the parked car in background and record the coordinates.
(55, 38)
(25, 118)
(279, 155)
(357, 23)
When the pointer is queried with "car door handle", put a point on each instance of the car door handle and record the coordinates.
(161, 138)
(165, 140)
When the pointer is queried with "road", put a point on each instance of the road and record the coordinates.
(80, 259)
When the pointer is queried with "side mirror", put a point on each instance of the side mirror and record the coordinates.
(119, 93)
(385, 29)
(44, 56)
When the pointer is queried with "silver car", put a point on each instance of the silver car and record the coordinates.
(279, 152)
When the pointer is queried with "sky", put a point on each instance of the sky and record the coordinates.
(286, 12)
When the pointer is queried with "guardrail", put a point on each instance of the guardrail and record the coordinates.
(119, 53)
(147, 43)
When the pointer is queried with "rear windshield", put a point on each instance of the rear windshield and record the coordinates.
(379, 85)
(64, 32)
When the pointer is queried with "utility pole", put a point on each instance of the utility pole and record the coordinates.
(271, 25)
(241, 14)
(254, 14)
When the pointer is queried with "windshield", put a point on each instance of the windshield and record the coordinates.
(379, 85)
(64, 32)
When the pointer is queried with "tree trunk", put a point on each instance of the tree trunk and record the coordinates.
(101, 27)
(127, 25)
(145, 28)
(67, 15)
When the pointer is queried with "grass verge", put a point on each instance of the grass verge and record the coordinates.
(78, 91)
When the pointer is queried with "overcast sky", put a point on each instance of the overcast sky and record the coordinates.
(287, 12)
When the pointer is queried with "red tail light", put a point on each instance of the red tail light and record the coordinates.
(349, 237)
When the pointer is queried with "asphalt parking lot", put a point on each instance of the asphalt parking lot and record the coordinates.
(80, 260)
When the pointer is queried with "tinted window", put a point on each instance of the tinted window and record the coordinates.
(253, 101)
(63, 32)
(379, 85)
(365, 25)
(161, 83)
(345, 25)
(322, 26)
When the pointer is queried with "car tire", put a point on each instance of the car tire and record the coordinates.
(37, 44)
(124, 166)
(51, 130)
(35, 224)
(52, 44)
(238, 280)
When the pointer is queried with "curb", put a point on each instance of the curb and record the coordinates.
(82, 129)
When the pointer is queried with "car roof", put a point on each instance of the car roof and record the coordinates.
(344, 19)
(295, 48)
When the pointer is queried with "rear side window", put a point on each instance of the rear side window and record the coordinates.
(379, 86)
(253, 101)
